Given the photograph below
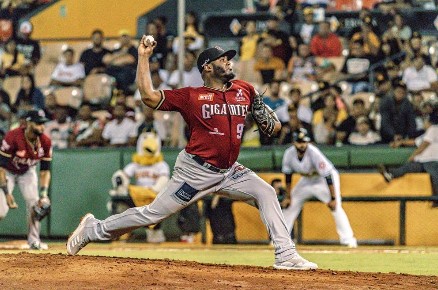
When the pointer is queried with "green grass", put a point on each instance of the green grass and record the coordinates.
(409, 260)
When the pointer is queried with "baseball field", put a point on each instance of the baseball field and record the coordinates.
(121, 265)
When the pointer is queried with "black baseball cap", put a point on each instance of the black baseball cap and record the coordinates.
(36, 116)
(211, 54)
(301, 135)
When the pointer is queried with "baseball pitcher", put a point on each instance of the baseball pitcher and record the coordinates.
(319, 179)
(21, 150)
(215, 115)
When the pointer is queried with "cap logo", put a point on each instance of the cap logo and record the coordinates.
(205, 62)
(219, 48)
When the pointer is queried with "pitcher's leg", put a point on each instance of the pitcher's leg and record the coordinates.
(270, 212)
(165, 204)
(189, 183)
(28, 184)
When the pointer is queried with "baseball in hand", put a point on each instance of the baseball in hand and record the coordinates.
(149, 38)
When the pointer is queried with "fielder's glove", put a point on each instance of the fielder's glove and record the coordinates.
(264, 116)
(42, 208)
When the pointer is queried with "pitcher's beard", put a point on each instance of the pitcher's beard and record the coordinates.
(221, 74)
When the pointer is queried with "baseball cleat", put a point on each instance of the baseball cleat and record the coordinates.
(296, 263)
(38, 246)
(77, 239)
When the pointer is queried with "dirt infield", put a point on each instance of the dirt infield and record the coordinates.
(59, 271)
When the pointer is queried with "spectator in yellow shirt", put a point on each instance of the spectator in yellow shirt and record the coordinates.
(12, 61)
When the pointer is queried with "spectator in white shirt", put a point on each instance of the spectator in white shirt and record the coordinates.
(191, 75)
(68, 73)
(363, 135)
(420, 76)
(121, 131)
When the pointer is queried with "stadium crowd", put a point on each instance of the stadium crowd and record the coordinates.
(370, 87)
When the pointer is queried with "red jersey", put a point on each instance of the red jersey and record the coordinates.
(215, 119)
(20, 152)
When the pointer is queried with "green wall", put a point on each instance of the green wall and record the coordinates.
(81, 179)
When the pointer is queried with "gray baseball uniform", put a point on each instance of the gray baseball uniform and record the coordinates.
(19, 160)
(314, 167)
(207, 165)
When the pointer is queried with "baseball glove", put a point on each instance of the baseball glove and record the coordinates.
(264, 116)
(42, 208)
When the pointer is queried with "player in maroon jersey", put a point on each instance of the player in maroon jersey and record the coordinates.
(21, 150)
(215, 115)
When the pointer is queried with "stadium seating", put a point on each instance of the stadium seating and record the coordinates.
(98, 88)
(69, 96)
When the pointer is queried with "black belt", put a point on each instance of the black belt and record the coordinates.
(207, 165)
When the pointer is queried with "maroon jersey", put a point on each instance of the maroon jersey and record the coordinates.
(21, 153)
(215, 119)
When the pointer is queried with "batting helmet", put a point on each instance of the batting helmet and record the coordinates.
(301, 135)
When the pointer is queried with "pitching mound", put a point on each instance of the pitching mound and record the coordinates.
(49, 271)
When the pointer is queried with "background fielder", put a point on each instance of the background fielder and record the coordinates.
(319, 179)
(21, 150)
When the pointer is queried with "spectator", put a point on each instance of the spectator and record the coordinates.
(304, 112)
(302, 66)
(294, 41)
(28, 46)
(423, 159)
(191, 75)
(415, 48)
(92, 58)
(160, 51)
(193, 38)
(12, 62)
(121, 131)
(325, 43)
(86, 130)
(29, 97)
(59, 129)
(348, 126)
(306, 29)
(149, 124)
(363, 134)
(161, 23)
(420, 76)
(370, 41)
(67, 72)
(277, 39)
(4, 95)
(5, 117)
(398, 117)
(10, 14)
(269, 66)
(248, 51)
(356, 67)
(294, 124)
(50, 106)
(374, 115)
(122, 62)
(326, 120)
(275, 102)
(399, 30)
